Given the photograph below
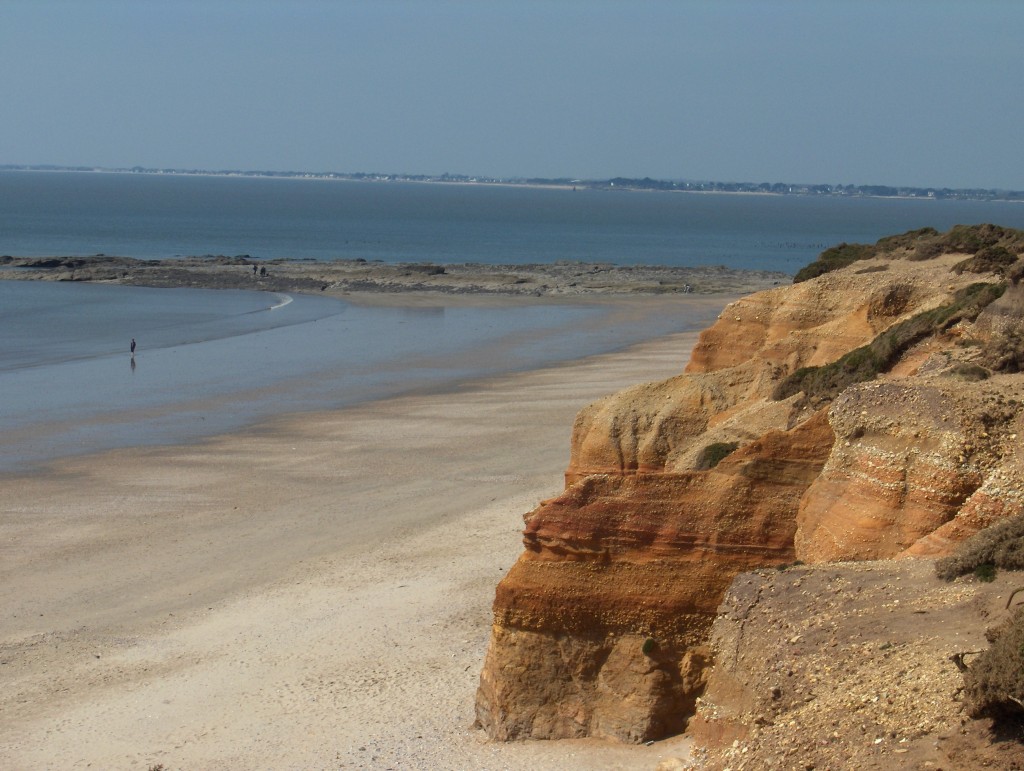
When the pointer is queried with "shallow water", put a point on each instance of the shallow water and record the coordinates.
(213, 361)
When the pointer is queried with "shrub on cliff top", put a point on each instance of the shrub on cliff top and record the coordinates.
(990, 259)
(835, 258)
(970, 372)
(988, 243)
(925, 244)
(846, 254)
(822, 384)
(1000, 545)
(994, 683)
(971, 239)
(907, 240)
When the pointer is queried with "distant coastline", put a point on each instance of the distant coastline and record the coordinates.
(612, 184)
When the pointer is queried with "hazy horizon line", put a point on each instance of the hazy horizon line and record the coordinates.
(477, 178)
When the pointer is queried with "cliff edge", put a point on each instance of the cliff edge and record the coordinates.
(868, 412)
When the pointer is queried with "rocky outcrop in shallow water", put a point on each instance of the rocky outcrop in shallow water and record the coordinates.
(858, 415)
(373, 277)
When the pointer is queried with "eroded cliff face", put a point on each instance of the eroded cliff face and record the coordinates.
(601, 627)
(927, 456)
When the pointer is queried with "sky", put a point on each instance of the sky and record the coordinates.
(901, 92)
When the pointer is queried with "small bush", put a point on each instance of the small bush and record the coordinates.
(989, 259)
(1001, 545)
(994, 683)
(713, 454)
(835, 258)
(970, 372)
(986, 572)
(426, 269)
(907, 240)
(927, 250)
(971, 239)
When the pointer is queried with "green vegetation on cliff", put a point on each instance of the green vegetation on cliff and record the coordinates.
(994, 249)
(713, 454)
(821, 385)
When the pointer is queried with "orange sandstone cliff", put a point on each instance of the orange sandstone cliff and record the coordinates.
(869, 412)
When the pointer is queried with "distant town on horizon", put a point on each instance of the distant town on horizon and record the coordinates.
(615, 183)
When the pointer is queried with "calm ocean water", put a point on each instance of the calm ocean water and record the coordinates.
(209, 362)
(55, 213)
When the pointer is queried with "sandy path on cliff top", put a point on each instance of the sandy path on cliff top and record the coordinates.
(312, 594)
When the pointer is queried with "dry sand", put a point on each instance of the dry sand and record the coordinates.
(313, 593)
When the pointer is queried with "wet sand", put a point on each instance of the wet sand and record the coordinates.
(311, 593)
(69, 386)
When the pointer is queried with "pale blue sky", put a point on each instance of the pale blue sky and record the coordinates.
(927, 93)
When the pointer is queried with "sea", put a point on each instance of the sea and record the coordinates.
(210, 361)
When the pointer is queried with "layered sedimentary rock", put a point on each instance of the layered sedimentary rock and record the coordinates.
(918, 465)
(594, 633)
(673, 488)
(897, 473)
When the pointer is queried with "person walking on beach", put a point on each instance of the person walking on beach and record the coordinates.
(133, 346)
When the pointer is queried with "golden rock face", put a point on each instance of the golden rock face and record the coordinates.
(601, 627)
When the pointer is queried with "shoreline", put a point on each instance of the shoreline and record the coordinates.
(186, 390)
(298, 594)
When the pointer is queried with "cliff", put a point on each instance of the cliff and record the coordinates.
(869, 412)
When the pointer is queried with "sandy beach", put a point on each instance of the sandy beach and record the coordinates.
(311, 593)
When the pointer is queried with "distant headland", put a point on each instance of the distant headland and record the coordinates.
(615, 183)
